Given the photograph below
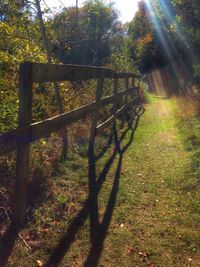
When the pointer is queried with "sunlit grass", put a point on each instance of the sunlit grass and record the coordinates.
(157, 211)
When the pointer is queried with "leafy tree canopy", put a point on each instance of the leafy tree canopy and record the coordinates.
(88, 35)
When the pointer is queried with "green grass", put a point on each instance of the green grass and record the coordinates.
(156, 219)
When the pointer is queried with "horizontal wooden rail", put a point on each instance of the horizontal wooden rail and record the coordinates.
(54, 73)
(106, 123)
(25, 135)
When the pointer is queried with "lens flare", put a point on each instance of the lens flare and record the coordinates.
(161, 25)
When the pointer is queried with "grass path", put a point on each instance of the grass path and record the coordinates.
(154, 223)
(156, 215)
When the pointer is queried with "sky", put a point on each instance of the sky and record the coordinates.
(127, 8)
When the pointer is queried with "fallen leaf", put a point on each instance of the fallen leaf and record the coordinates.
(142, 254)
(39, 263)
(131, 250)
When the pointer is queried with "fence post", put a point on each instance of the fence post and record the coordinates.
(134, 93)
(136, 90)
(133, 82)
(115, 93)
(93, 196)
(126, 99)
(95, 115)
(115, 104)
(127, 86)
(23, 151)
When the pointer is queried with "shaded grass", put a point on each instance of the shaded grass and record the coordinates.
(156, 218)
(67, 192)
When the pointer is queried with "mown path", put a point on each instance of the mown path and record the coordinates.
(153, 224)
(149, 214)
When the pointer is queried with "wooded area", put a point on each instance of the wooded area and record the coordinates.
(162, 33)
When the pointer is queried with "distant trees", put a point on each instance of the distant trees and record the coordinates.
(144, 45)
(186, 33)
(88, 37)
(166, 31)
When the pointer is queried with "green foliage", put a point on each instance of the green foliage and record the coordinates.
(145, 51)
(90, 36)
(163, 32)
(121, 61)
(16, 46)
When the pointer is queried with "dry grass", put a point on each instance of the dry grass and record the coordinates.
(156, 217)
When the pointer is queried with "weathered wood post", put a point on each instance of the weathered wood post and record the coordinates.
(23, 151)
(126, 87)
(115, 91)
(126, 113)
(95, 117)
(115, 106)
(136, 90)
(93, 201)
(133, 97)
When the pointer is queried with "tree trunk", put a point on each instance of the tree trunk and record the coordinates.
(49, 59)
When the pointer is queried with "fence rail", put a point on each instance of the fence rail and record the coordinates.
(29, 132)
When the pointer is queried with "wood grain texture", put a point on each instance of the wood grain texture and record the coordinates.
(23, 151)
(56, 72)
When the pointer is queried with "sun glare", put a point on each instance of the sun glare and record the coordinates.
(161, 26)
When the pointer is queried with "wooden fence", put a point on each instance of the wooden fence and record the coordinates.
(28, 132)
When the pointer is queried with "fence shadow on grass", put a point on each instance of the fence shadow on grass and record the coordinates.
(7, 243)
(27, 132)
(8, 238)
(98, 231)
